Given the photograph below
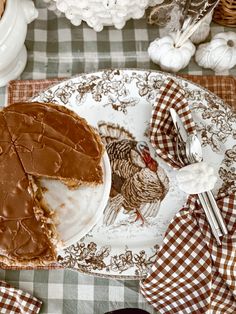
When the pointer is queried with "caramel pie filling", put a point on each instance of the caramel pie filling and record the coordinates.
(39, 140)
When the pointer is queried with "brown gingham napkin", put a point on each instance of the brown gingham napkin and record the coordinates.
(162, 132)
(16, 301)
(191, 273)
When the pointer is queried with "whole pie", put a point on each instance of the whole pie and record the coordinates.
(40, 140)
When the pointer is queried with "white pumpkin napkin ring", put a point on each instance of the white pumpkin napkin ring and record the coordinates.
(196, 178)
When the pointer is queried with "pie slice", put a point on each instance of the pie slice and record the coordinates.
(40, 140)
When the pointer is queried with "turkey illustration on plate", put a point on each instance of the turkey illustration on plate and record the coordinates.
(139, 184)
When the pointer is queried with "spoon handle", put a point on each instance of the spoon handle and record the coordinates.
(217, 212)
(210, 217)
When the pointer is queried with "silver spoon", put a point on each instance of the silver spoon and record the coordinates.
(194, 153)
(202, 196)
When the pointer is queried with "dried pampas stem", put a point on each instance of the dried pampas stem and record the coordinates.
(194, 11)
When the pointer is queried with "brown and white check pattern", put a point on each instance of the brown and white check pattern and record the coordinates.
(15, 301)
(162, 133)
(191, 274)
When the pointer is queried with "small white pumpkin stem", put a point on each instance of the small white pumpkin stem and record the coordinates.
(230, 43)
(177, 37)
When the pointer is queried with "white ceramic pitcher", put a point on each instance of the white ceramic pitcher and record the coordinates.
(13, 28)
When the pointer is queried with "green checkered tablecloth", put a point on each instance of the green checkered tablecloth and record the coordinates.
(57, 48)
(69, 292)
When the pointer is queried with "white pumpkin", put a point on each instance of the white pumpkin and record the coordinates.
(196, 178)
(202, 31)
(219, 54)
(170, 58)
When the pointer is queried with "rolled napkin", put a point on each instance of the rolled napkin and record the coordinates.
(191, 273)
(17, 301)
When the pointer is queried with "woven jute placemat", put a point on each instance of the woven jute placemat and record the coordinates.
(222, 86)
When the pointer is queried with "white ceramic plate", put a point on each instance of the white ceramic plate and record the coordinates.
(80, 209)
(119, 104)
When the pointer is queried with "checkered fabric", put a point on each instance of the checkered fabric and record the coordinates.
(13, 301)
(70, 292)
(223, 86)
(54, 45)
(191, 274)
(162, 134)
(22, 90)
